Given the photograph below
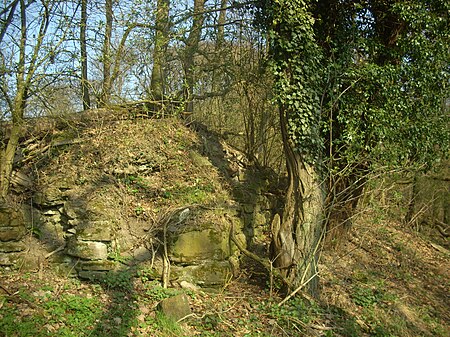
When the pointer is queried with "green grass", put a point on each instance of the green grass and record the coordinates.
(67, 315)
(164, 325)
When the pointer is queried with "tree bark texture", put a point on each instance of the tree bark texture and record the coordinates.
(191, 48)
(296, 240)
(84, 64)
(159, 53)
(105, 96)
(221, 24)
(8, 153)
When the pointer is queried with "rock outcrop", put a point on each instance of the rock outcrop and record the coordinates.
(111, 196)
(12, 231)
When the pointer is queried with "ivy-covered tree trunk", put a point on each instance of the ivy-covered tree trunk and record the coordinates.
(387, 71)
(296, 240)
(295, 65)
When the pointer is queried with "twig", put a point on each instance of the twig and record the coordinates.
(166, 262)
(166, 218)
(6, 290)
(55, 251)
(292, 294)
(191, 315)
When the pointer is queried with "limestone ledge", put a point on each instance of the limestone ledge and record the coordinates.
(87, 250)
(12, 233)
(207, 274)
(101, 265)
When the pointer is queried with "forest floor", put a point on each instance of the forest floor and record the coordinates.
(385, 279)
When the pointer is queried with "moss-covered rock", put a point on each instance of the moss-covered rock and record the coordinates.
(11, 217)
(207, 274)
(12, 233)
(102, 265)
(96, 231)
(176, 307)
(194, 246)
(88, 250)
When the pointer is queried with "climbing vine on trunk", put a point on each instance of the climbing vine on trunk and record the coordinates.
(296, 68)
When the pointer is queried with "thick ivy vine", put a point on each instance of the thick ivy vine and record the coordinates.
(296, 69)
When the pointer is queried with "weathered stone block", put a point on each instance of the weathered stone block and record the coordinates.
(96, 231)
(12, 246)
(96, 265)
(72, 210)
(32, 217)
(175, 307)
(4, 218)
(12, 233)
(91, 274)
(10, 217)
(194, 246)
(88, 250)
(208, 274)
(52, 196)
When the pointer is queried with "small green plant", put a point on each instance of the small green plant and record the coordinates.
(78, 314)
(12, 323)
(165, 325)
(365, 297)
(210, 322)
(121, 280)
(139, 210)
(156, 292)
(347, 323)
(116, 256)
(136, 184)
(292, 315)
(67, 315)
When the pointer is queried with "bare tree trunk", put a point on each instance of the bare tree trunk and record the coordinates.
(159, 54)
(84, 72)
(8, 153)
(189, 53)
(296, 240)
(409, 217)
(105, 96)
(221, 24)
(7, 159)
(26, 69)
(9, 19)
